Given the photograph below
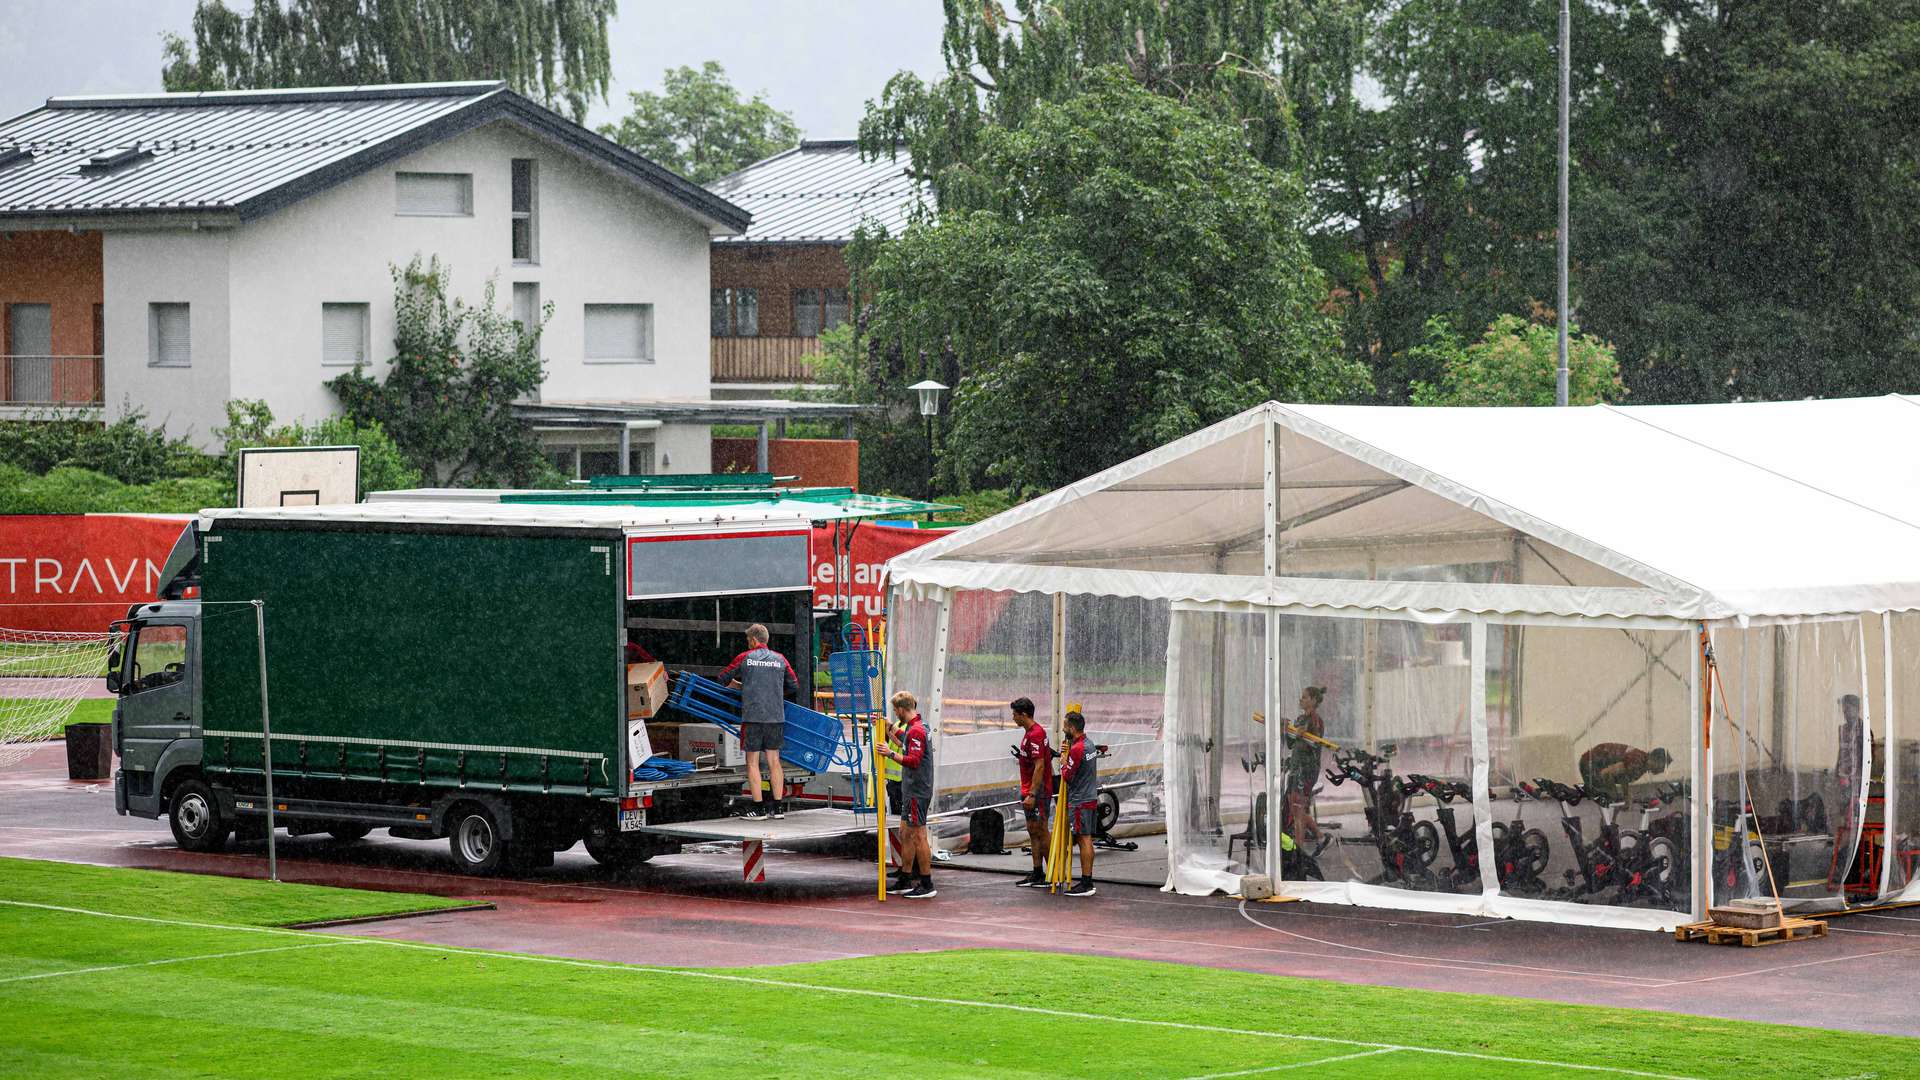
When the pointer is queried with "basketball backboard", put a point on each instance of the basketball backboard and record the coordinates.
(299, 475)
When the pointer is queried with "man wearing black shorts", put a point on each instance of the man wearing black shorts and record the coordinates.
(916, 785)
(1082, 780)
(765, 681)
(1035, 755)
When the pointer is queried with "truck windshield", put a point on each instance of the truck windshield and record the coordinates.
(159, 657)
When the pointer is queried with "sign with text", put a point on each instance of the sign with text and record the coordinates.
(80, 572)
(852, 581)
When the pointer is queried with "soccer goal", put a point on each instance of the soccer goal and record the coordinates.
(43, 674)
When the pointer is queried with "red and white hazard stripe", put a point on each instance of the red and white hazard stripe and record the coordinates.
(894, 855)
(751, 868)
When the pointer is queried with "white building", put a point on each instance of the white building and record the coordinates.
(243, 245)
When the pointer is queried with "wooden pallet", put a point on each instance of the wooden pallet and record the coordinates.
(1790, 929)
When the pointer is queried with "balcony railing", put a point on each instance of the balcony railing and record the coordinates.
(52, 380)
(763, 359)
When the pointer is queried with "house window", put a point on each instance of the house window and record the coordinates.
(169, 336)
(736, 313)
(599, 463)
(619, 333)
(642, 456)
(343, 334)
(818, 310)
(526, 232)
(526, 305)
(433, 194)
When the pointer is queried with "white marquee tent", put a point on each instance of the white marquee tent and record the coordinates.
(1487, 603)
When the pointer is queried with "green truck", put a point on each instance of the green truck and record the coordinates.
(443, 670)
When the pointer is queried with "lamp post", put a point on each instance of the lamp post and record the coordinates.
(929, 392)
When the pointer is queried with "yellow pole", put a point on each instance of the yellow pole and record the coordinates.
(1060, 857)
(880, 801)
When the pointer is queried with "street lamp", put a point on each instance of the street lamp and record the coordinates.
(929, 392)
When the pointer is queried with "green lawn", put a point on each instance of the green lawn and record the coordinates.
(205, 1001)
(197, 897)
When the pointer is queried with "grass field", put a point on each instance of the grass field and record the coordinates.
(161, 975)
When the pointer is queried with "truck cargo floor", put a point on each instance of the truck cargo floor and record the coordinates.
(815, 824)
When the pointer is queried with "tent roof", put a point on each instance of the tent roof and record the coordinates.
(1701, 511)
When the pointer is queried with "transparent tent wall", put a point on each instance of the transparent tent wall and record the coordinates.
(1589, 748)
(1896, 749)
(1790, 763)
(1115, 666)
(1216, 755)
(999, 647)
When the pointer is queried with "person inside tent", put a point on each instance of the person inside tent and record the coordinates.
(1608, 768)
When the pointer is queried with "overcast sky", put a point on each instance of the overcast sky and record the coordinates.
(818, 59)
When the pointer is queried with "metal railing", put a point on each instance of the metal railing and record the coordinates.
(763, 359)
(52, 380)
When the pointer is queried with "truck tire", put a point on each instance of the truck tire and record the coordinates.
(194, 815)
(348, 833)
(474, 838)
(616, 854)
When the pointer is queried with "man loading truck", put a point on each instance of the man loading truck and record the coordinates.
(765, 681)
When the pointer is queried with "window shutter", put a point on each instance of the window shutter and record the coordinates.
(172, 336)
(619, 331)
(438, 194)
(343, 333)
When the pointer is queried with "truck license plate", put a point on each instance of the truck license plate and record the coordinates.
(632, 820)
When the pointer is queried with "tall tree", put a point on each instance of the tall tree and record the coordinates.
(699, 127)
(1135, 275)
(552, 50)
(1214, 56)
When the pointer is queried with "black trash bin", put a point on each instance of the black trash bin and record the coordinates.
(89, 751)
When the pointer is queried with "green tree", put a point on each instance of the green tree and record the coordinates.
(447, 398)
(1514, 363)
(700, 128)
(250, 423)
(1764, 246)
(1215, 56)
(552, 50)
(1136, 275)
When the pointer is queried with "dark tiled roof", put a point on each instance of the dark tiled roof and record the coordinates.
(818, 192)
(250, 152)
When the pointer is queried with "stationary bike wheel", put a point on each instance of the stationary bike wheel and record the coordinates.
(1107, 812)
(1538, 851)
(1426, 842)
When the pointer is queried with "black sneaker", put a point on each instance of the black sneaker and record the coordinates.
(779, 811)
(1083, 887)
(1036, 879)
(922, 891)
(899, 885)
(755, 813)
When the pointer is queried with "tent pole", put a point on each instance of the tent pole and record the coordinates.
(1701, 708)
(1270, 561)
(1059, 664)
(1889, 780)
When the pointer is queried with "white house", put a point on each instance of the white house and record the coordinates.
(175, 251)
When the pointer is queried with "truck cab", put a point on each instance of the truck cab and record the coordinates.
(156, 721)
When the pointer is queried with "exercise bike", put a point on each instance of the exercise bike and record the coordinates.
(1464, 847)
(1388, 817)
(1619, 861)
(1520, 853)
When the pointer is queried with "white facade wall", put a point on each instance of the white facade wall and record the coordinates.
(142, 268)
(601, 239)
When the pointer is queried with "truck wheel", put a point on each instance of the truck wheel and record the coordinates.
(194, 814)
(474, 838)
(616, 855)
(347, 834)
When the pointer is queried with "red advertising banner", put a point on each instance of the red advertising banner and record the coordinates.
(854, 583)
(80, 571)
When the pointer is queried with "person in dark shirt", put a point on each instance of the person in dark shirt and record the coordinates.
(1035, 755)
(1081, 777)
(1608, 768)
(916, 783)
(765, 681)
(1303, 765)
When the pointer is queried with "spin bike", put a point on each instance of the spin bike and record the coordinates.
(1388, 817)
(1623, 861)
(1520, 853)
(1463, 846)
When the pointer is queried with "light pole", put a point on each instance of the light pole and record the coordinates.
(929, 392)
(1566, 82)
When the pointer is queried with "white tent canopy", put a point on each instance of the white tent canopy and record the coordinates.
(1693, 512)
(1499, 597)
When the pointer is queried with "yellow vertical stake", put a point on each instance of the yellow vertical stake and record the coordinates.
(880, 801)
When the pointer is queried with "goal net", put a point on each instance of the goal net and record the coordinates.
(43, 674)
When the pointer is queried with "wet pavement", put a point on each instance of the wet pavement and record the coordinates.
(693, 909)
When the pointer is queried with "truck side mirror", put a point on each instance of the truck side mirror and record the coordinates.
(113, 672)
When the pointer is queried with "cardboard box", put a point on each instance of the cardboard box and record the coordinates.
(707, 741)
(646, 689)
(639, 744)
